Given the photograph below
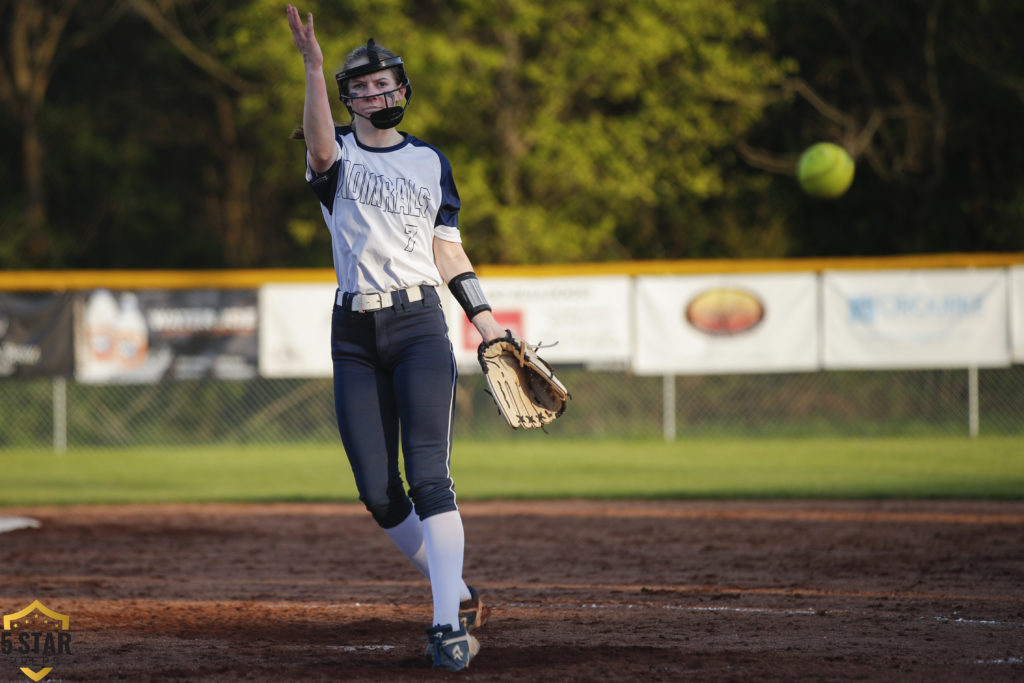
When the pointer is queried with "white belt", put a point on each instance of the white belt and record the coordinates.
(377, 301)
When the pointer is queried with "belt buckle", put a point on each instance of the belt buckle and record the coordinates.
(366, 302)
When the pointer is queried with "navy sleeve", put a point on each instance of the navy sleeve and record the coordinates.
(448, 211)
(325, 185)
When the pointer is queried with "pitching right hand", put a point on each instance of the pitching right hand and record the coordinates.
(305, 38)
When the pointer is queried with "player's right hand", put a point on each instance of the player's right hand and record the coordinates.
(305, 38)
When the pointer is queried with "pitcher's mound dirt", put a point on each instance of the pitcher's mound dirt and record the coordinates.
(581, 591)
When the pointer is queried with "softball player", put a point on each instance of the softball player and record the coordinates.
(391, 204)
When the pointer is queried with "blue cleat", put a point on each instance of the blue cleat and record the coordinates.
(452, 650)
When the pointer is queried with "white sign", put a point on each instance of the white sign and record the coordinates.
(1017, 312)
(916, 319)
(588, 317)
(295, 330)
(706, 324)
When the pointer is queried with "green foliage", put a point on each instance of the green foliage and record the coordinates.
(578, 130)
(599, 117)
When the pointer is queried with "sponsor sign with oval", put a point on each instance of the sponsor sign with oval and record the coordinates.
(725, 311)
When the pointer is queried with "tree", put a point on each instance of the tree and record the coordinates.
(922, 94)
(592, 130)
(35, 32)
(193, 32)
(578, 130)
(35, 37)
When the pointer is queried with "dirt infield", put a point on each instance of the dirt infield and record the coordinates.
(582, 591)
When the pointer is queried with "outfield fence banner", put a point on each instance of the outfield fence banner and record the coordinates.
(737, 323)
(1017, 313)
(35, 334)
(295, 330)
(148, 335)
(588, 316)
(916, 319)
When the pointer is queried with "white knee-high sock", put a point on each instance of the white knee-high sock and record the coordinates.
(408, 536)
(446, 540)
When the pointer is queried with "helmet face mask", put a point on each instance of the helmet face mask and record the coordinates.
(385, 118)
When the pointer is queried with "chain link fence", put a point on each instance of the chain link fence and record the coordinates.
(609, 405)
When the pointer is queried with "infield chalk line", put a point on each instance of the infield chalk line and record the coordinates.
(15, 523)
(981, 622)
(361, 648)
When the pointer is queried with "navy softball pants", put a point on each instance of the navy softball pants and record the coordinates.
(394, 390)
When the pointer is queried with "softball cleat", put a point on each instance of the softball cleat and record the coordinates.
(452, 650)
(473, 613)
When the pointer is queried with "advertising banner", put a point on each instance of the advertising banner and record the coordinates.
(916, 319)
(736, 323)
(1017, 313)
(140, 336)
(35, 334)
(295, 330)
(588, 317)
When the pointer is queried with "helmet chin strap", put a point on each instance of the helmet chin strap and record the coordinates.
(388, 117)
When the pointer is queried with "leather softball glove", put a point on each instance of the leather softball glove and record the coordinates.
(523, 386)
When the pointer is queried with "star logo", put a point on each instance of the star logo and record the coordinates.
(36, 635)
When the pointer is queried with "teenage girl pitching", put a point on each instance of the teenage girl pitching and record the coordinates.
(390, 202)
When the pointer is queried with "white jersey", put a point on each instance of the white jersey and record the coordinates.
(384, 207)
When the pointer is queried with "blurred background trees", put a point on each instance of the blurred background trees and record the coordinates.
(154, 133)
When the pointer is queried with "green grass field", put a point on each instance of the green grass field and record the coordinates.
(534, 466)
